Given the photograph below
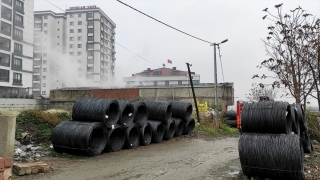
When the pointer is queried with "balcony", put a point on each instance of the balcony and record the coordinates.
(4, 60)
(17, 82)
(6, 13)
(7, 2)
(19, 9)
(18, 23)
(18, 52)
(5, 44)
(4, 75)
(6, 16)
(16, 67)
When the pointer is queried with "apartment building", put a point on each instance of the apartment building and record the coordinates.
(161, 77)
(73, 49)
(16, 47)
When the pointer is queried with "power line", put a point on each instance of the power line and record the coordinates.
(99, 32)
(164, 23)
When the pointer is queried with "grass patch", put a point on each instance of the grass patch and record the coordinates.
(65, 155)
(206, 130)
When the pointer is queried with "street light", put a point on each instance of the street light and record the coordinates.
(215, 75)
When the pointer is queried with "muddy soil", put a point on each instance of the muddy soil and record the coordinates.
(179, 158)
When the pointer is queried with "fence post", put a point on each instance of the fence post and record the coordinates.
(7, 135)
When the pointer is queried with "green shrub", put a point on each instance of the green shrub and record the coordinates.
(313, 125)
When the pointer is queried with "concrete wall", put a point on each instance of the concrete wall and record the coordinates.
(23, 104)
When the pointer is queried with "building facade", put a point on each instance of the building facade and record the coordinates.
(16, 47)
(161, 77)
(74, 49)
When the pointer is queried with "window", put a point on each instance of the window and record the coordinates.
(155, 83)
(179, 82)
(44, 70)
(71, 23)
(79, 15)
(44, 62)
(79, 38)
(37, 33)
(44, 54)
(4, 75)
(79, 45)
(17, 78)
(166, 83)
(43, 93)
(90, 38)
(157, 73)
(71, 53)
(90, 53)
(37, 25)
(175, 73)
(17, 63)
(79, 22)
(140, 83)
(79, 30)
(45, 24)
(71, 38)
(19, 4)
(18, 34)
(90, 69)
(79, 61)
(45, 17)
(71, 46)
(79, 68)
(44, 85)
(19, 20)
(90, 30)
(71, 16)
(79, 53)
(90, 23)
(45, 32)
(71, 30)
(44, 77)
(17, 48)
(90, 15)
(90, 46)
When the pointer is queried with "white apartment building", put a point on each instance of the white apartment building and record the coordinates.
(73, 49)
(161, 77)
(16, 47)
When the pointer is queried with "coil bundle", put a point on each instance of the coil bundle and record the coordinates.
(272, 143)
(108, 125)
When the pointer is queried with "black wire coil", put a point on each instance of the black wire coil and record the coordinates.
(230, 115)
(306, 143)
(181, 109)
(141, 112)
(159, 110)
(126, 116)
(189, 126)
(301, 118)
(132, 136)
(178, 126)
(96, 110)
(231, 123)
(295, 122)
(116, 138)
(274, 156)
(158, 130)
(145, 134)
(169, 130)
(267, 117)
(88, 138)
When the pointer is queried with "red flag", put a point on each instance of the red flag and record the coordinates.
(169, 61)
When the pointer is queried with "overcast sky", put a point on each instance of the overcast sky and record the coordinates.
(239, 21)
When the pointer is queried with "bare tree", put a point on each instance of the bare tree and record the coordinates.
(256, 91)
(291, 45)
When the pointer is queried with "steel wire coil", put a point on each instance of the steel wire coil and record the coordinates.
(116, 138)
(88, 138)
(158, 130)
(181, 109)
(295, 122)
(189, 126)
(169, 130)
(132, 136)
(231, 123)
(301, 118)
(141, 112)
(178, 126)
(306, 143)
(145, 134)
(230, 115)
(267, 117)
(274, 156)
(96, 110)
(126, 116)
(159, 110)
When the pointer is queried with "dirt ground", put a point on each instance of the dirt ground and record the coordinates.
(180, 158)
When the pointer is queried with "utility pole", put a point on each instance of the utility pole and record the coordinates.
(215, 76)
(194, 96)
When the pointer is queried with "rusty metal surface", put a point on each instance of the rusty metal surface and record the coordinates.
(128, 93)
